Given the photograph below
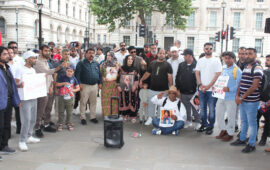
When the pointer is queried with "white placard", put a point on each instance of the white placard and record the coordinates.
(34, 86)
(221, 82)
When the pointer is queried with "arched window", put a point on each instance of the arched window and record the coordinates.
(36, 30)
(3, 26)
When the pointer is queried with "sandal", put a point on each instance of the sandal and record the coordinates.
(70, 127)
(60, 127)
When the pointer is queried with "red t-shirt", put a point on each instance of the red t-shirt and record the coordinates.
(57, 57)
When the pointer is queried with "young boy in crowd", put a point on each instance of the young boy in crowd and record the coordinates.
(143, 110)
(67, 85)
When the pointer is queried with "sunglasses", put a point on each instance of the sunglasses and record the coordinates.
(132, 52)
(14, 47)
(208, 48)
(122, 45)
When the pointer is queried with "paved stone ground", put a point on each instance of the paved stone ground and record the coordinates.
(83, 149)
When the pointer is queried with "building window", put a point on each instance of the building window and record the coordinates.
(2, 26)
(127, 25)
(235, 45)
(98, 38)
(35, 1)
(259, 20)
(237, 0)
(59, 6)
(258, 45)
(191, 20)
(148, 19)
(236, 20)
(80, 14)
(126, 39)
(36, 28)
(190, 43)
(58, 34)
(50, 4)
(259, 0)
(85, 16)
(213, 18)
(104, 39)
(66, 9)
(74, 12)
(213, 41)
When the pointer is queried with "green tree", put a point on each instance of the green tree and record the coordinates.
(109, 12)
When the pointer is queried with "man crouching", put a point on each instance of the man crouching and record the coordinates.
(172, 113)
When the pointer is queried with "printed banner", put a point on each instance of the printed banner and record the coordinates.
(221, 82)
(167, 117)
(34, 86)
(126, 82)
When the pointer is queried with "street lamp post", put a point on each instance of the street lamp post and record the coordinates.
(223, 5)
(40, 39)
(17, 34)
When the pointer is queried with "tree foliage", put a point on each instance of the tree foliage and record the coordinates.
(113, 12)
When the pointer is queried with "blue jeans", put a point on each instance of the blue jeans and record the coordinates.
(248, 112)
(168, 130)
(206, 99)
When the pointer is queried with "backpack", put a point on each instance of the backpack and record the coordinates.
(234, 72)
(178, 104)
(264, 89)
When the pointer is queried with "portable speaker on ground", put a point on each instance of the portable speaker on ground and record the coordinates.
(267, 25)
(113, 129)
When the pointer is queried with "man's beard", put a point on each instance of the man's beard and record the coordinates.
(123, 49)
(210, 53)
(267, 65)
(154, 52)
(249, 60)
(4, 61)
(46, 56)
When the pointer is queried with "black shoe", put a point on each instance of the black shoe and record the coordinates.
(236, 129)
(238, 142)
(262, 142)
(201, 129)
(52, 124)
(248, 149)
(7, 150)
(83, 122)
(18, 131)
(209, 131)
(49, 128)
(238, 135)
(1, 158)
(94, 120)
(42, 126)
(39, 133)
(226, 121)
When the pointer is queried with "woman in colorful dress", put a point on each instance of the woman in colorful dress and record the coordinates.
(128, 83)
(109, 69)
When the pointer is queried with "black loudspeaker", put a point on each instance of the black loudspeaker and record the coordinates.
(113, 129)
(267, 25)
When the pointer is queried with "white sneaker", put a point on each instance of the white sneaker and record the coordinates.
(149, 121)
(187, 124)
(31, 139)
(75, 112)
(197, 126)
(22, 146)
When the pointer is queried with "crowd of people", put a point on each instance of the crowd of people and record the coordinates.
(169, 89)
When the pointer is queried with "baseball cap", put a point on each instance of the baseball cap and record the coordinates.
(29, 54)
(188, 52)
(174, 48)
(70, 67)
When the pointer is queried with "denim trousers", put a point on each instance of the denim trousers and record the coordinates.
(168, 130)
(206, 99)
(248, 113)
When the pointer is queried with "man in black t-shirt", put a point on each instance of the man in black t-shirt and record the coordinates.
(160, 72)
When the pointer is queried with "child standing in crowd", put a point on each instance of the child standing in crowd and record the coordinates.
(143, 110)
(68, 85)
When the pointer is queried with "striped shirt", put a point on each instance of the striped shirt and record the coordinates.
(246, 83)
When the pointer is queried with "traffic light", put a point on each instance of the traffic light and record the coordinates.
(232, 30)
(223, 35)
(217, 37)
(142, 31)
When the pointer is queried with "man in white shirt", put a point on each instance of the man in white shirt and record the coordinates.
(120, 55)
(177, 43)
(175, 60)
(207, 70)
(17, 59)
(28, 109)
(74, 57)
(173, 113)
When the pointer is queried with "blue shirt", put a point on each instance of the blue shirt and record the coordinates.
(88, 73)
(233, 82)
